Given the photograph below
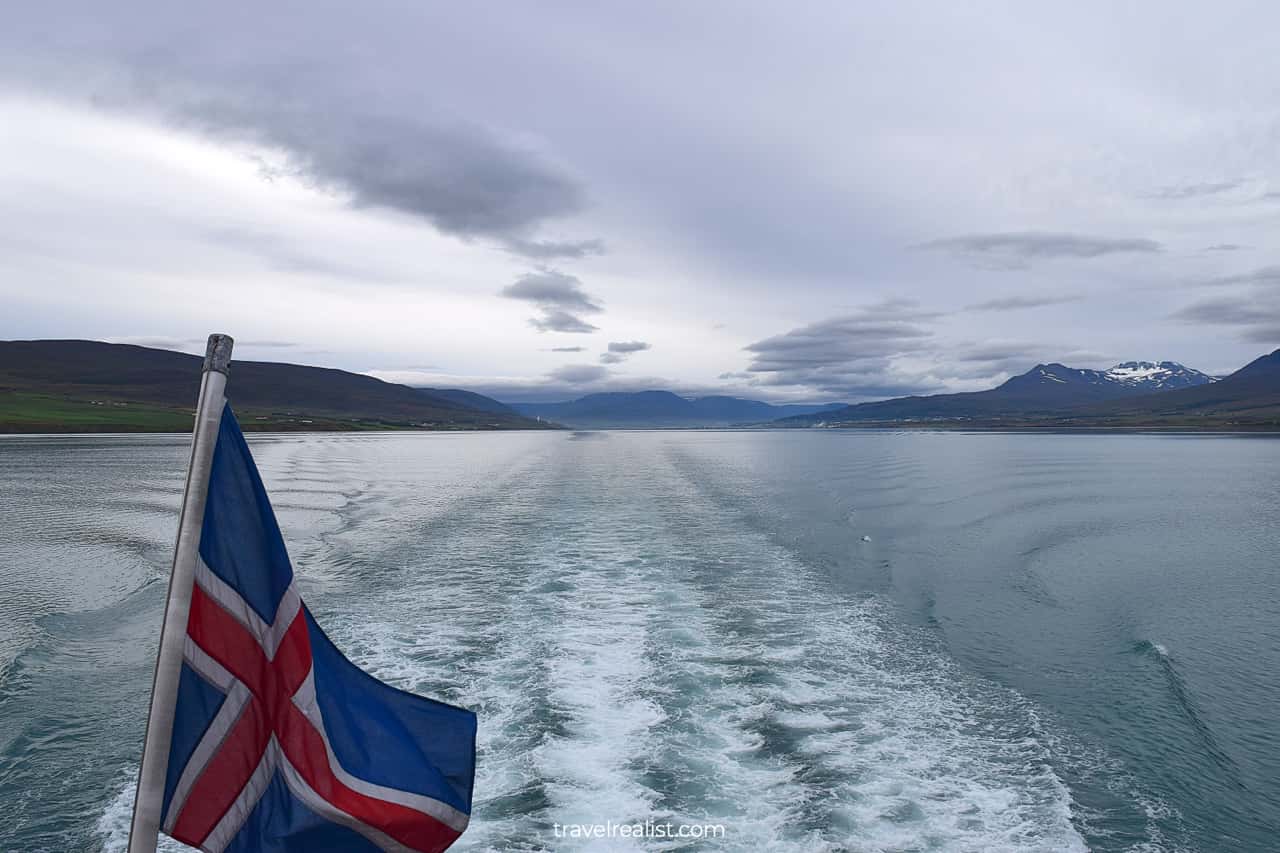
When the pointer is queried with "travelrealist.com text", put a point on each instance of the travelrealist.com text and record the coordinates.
(646, 829)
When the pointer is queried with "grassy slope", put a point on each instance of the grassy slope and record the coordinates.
(25, 412)
(85, 386)
(38, 413)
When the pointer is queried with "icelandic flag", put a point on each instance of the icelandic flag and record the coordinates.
(280, 744)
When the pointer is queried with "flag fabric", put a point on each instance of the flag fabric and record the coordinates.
(280, 744)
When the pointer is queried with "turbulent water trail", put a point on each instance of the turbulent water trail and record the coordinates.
(636, 654)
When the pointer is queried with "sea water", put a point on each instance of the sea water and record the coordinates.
(811, 640)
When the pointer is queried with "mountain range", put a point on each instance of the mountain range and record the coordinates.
(1044, 389)
(89, 386)
(1131, 394)
(1250, 396)
(661, 409)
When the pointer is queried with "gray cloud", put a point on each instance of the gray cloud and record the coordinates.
(1014, 303)
(549, 287)
(629, 346)
(738, 374)
(1261, 277)
(1253, 310)
(620, 350)
(550, 249)
(1195, 190)
(463, 179)
(1014, 250)
(989, 352)
(295, 90)
(567, 349)
(555, 320)
(890, 350)
(1254, 321)
(851, 355)
(991, 360)
(1225, 247)
(1244, 310)
(560, 298)
(1268, 336)
(578, 374)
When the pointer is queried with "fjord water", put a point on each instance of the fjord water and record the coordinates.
(1049, 642)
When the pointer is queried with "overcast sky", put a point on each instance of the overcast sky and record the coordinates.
(814, 201)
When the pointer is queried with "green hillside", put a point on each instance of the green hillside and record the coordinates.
(87, 386)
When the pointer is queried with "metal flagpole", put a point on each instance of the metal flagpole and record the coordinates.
(145, 830)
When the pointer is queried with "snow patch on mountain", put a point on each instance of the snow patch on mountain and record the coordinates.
(1157, 376)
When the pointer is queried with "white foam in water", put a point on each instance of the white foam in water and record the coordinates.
(750, 697)
(596, 678)
(113, 824)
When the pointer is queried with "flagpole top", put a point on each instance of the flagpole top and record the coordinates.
(217, 355)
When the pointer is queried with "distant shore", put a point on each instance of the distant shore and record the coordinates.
(1060, 427)
(28, 414)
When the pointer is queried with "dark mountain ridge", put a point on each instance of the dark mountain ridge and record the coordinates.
(661, 409)
(1251, 394)
(1126, 395)
(470, 399)
(112, 377)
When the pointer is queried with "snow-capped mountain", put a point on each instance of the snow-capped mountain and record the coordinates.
(1157, 376)
(1127, 377)
(1044, 389)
